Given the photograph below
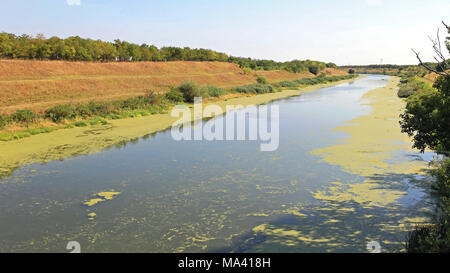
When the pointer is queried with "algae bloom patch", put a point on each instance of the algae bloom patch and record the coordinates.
(101, 197)
(92, 215)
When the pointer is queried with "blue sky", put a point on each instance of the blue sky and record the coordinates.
(344, 32)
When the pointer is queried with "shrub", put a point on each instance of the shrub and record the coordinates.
(314, 69)
(351, 71)
(25, 116)
(405, 92)
(247, 70)
(83, 111)
(288, 84)
(261, 80)
(255, 89)
(102, 108)
(435, 237)
(331, 65)
(215, 91)
(307, 81)
(81, 124)
(131, 103)
(61, 112)
(411, 86)
(404, 80)
(322, 78)
(4, 119)
(151, 98)
(174, 95)
(139, 102)
(190, 90)
(97, 120)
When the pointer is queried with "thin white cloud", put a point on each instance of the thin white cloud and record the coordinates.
(373, 2)
(73, 2)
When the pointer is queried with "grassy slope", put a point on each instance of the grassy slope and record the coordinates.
(37, 85)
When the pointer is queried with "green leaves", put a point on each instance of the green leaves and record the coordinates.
(427, 117)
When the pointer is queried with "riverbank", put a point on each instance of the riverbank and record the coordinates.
(62, 144)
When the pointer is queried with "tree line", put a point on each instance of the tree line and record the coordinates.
(294, 66)
(76, 48)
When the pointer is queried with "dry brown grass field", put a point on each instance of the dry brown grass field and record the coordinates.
(38, 85)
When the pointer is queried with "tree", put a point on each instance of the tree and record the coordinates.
(442, 64)
(427, 115)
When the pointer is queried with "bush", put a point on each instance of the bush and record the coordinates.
(255, 89)
(131, 103)
(261, 80)
(314, 69)
(81, 124)
(174, 95)
(425, 239)
(308, 81)
(139, 102)
(59, 113)
(288, 84)
(351, 71)
(151, 98)
(103, 108)
(322, 78)
(442, 182)
(25, 116)
(215, 91)
(404, 80)
(4, 119)
(435, 238)
(410, 86)
(247, 70)
(82, 110)
(97, 120)
(190, 89)
(331, 65)
(405, 92)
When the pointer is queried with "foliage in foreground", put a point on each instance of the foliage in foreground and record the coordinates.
(427, 120)
(435, 238)
(427, 117)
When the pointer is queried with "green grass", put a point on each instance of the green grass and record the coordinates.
(411, 85)
(8, 136)
(256, 89)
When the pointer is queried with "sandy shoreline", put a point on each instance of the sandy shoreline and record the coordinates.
(64, 143)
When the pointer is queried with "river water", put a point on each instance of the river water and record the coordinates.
(212, 196)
